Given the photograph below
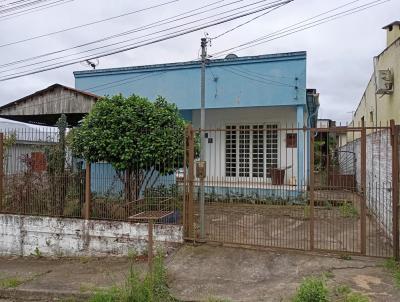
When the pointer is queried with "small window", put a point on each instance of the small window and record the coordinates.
(371, 116)
(291, 140)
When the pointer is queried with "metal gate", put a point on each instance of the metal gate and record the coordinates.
(329, 189)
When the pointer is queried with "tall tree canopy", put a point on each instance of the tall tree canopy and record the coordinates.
(133, 134)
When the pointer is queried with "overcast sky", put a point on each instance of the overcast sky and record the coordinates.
(339, 53)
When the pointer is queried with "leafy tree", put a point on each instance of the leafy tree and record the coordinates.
(137, 136)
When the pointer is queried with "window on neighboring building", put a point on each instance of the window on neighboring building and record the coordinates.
(251, 150)
(362, 121)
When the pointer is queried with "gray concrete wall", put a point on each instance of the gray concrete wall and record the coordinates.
(25, 235)
(378, 175)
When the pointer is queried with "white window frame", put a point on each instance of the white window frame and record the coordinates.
(265, 176)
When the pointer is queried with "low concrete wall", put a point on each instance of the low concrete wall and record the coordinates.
(28, 235)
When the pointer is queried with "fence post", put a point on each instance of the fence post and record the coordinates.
(363, 190)
(87, 191)
(190, 178)
(311, 179)
(394, 137)
(1, 169)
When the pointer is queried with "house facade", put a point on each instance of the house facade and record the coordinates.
(378, 106)
(259, 102)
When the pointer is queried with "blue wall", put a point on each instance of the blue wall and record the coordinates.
(268, 80)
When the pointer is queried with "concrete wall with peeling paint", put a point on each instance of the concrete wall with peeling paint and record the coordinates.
(28, 235)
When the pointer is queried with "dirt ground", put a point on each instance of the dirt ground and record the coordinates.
(197, 273)
(288, 226)
(238, 274)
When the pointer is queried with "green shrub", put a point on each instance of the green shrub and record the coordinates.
(312, 290)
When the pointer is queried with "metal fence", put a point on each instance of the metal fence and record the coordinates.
(333, 189)
(40, 176)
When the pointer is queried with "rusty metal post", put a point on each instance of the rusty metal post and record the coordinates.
(190, 220)
(150, 245)
(363, 231)
(184, 184)
(394, 131)
(87, 191)
(1, 168)
(312, 185)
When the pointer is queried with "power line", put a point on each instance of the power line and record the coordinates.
(21, 6)
(122, 49)
(257, 75)
(33, 9)
(246, 22)
(90, 23)
(255, 79)
(289, 30)
(141, 28)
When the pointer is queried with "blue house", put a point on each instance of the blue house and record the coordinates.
(261, 102)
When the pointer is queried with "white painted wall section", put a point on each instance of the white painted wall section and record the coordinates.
(24, 235)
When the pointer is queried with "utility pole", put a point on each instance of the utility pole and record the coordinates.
(202, 136)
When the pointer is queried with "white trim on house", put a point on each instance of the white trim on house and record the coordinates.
(215, 151)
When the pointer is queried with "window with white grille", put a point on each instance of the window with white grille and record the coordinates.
(251, 150)
(230, 151)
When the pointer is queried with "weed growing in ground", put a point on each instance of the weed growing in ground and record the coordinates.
(38, 253)
(345, 294)
(312, 289)
(345, 257)
(153, 288)
(348, 210)
(394, 267)
(356, 297)
(307, 212)
(10, 282)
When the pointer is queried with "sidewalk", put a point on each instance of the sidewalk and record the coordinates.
(196, 274)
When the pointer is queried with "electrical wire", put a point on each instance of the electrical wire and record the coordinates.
(246, 22)
(122, 49)
(91, 23)
(141, 28)
(290, 30)
(33, 9)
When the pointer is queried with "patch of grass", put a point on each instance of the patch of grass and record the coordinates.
(356, 297)
(307, 212)
(345, 257)
(328, 275)
(11, 282)
(153, 288)
(394, 268)
(348, 210)
(342, 290)
(312, 289)
(345, 294)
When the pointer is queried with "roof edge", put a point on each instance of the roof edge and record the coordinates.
(56, 85)
(189, 64)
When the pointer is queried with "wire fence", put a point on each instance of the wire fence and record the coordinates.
(310, 189)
